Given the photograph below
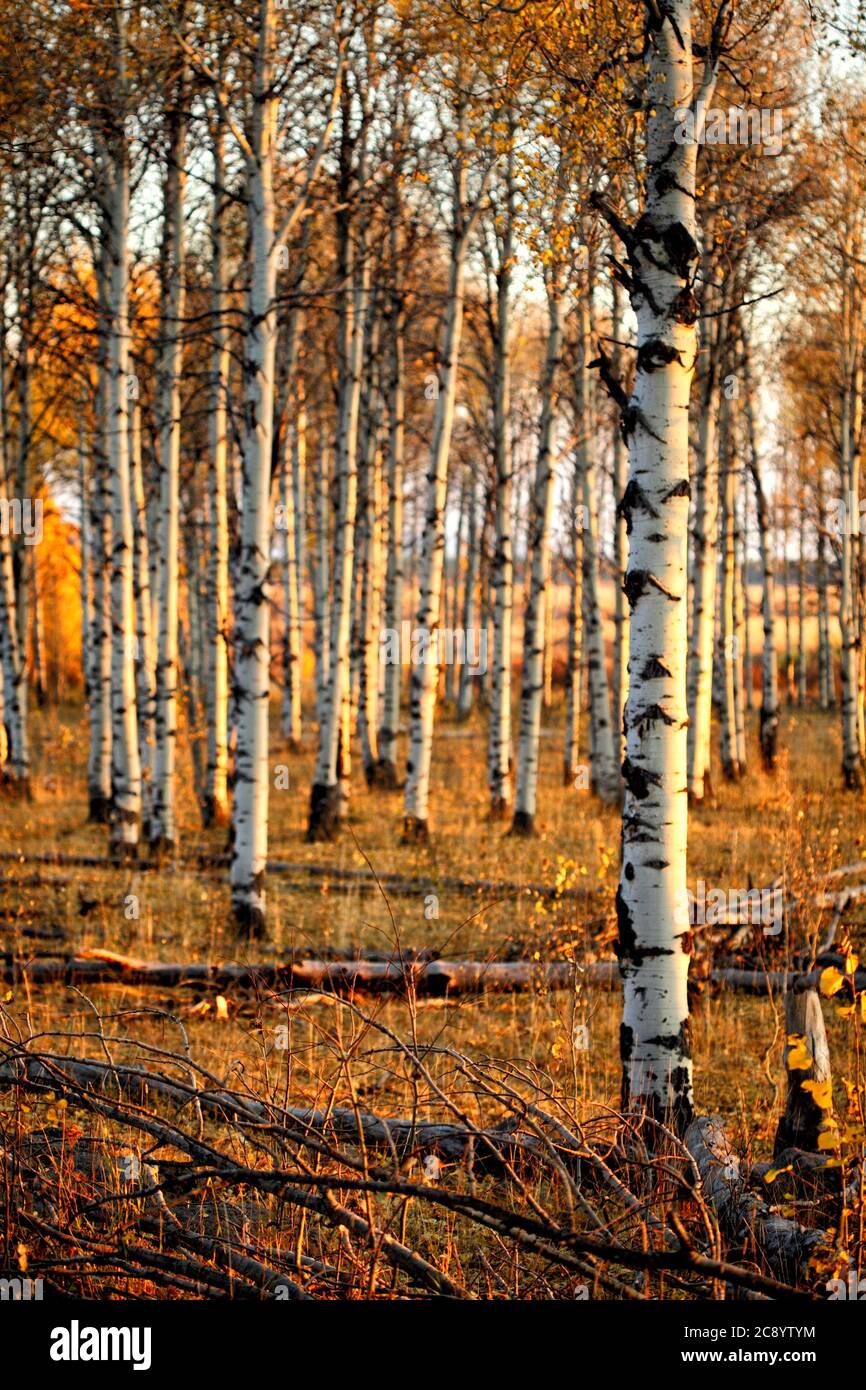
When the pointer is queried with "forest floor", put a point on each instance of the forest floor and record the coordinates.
(563, 1044)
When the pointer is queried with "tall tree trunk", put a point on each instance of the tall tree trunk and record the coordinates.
(534, 626)
(126, 763)
(739, 620)
(604, 768)
(574, 671)
(40, 683)
(769, 717)
(801, 595)
(387, 775)
(366, 559)
(215, 799)
(472, 606)
(329, 793)
(99, 759)
(163, 829)
(549, 632)
(499, 740)
(786, 524)
(253, 648)
(145, 653)
(16, 768)
(727, 632)
(826, 680)
(704, 549)
(620, 539)
(748, 684)
(322, 583)
(852, 416)
(664, 258)
(425, 673)
(293, 462)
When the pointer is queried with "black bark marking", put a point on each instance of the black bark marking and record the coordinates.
(634, 586)
(639, 780)
(651, 715)
(627, 943)
(631, 418)
(681, 489)
(684, 309)
(634, 496)
(655, 354)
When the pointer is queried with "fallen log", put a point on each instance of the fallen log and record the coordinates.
(768, 981)
(434, 978)
(426, 976)
(746, 1219)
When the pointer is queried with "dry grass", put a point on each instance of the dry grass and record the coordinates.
(799, 822)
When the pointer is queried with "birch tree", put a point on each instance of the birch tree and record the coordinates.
(126, 763)
(267, 235)
(464, 211)
(215, 801)
(663, 259)
(163, 826)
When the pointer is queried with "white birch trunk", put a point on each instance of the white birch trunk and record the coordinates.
(145, 651)
(604, 769)
(470, 612)
(727, 632)
(99, 759)
(126, 764)
(534, 627)
(252, 651)
(574, 668)
(322, 582)
(620, 541)
(502, 579)
(393, 607)
(769, 716)
(329, 792)
(425, 672)
(852, 416)
(293, 459)
(215, 800)
(366, 560)
(654, 941)
(163, 829)
(16, 768)
(704, 551)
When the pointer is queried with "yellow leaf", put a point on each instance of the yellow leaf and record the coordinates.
(799, 1057)
(222, 1008)
(821, 1092)
(831, 981)
(775, 1173)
